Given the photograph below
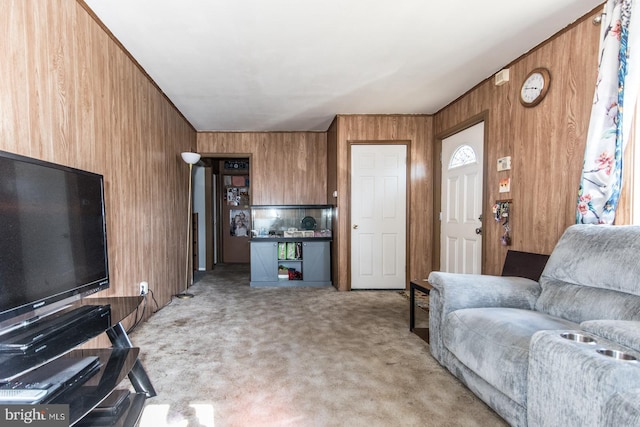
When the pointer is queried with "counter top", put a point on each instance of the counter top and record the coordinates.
(290, 239)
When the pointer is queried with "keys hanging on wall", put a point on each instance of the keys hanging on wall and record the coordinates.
(502, 211)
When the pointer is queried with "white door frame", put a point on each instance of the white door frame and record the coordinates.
(408, 203)
(437, 185)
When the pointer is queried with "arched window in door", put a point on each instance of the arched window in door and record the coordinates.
(463, 155)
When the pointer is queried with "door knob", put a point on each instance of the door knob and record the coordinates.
(479, 230)
(355, 226)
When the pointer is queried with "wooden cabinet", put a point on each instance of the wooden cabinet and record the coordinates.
(306, 262)
(317, 264)
(264, 265)
(291, 245)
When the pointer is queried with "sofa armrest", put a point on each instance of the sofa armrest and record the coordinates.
(573, 385)
(625, 332)
(623, 409)
(455, 291)
(475, 290)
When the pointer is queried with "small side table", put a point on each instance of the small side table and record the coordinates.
(424, 287)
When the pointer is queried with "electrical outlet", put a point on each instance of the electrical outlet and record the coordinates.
(144, 288)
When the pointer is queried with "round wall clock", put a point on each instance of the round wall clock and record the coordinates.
(535, 87)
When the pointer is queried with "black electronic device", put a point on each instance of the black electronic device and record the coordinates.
(24, 356)
(48, 382)
(34, 335)
(53, 243)
(109, 410)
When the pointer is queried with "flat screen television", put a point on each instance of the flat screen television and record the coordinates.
(53, 240)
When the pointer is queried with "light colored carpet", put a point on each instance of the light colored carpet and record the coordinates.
(241, 356)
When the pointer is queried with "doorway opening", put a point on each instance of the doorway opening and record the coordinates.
(222, 220)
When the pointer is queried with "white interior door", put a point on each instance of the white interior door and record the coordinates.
(378, 216)
(462, 163)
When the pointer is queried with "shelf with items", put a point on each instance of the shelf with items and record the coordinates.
(288, 251)
(290, 260)
(115, 365)
(288, 271)
(290, 263)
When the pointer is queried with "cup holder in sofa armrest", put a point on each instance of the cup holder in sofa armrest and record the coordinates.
(581, 338)
(618, 355)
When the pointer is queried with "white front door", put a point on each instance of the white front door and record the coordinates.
(378, 216)
(460, 242)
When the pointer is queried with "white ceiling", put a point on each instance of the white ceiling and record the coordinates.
(292, 65)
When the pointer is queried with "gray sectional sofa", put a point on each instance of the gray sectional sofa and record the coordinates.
(558, 352)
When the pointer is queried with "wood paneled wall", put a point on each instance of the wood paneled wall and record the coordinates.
(546, 143)
(70, 95)
(416, 131)
(287, 168)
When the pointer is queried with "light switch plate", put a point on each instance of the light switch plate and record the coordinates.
(504, 163)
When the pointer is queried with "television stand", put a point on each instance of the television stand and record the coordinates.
(121, 307)
(117, 362)
(137, 375)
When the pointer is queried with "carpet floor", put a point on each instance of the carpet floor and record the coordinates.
(240, 356)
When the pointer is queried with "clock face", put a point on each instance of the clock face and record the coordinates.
(534, 87)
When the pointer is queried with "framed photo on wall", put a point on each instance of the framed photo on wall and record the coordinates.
(239, 222)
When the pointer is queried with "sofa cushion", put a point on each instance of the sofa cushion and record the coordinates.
(597, 256)
(582, 303)
(494, 343)
(593, 274)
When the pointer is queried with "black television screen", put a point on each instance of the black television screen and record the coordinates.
(53, 243)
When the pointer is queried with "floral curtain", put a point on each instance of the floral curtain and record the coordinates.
(611, 114)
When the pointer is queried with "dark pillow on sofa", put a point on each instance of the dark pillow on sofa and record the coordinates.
(524, 264)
